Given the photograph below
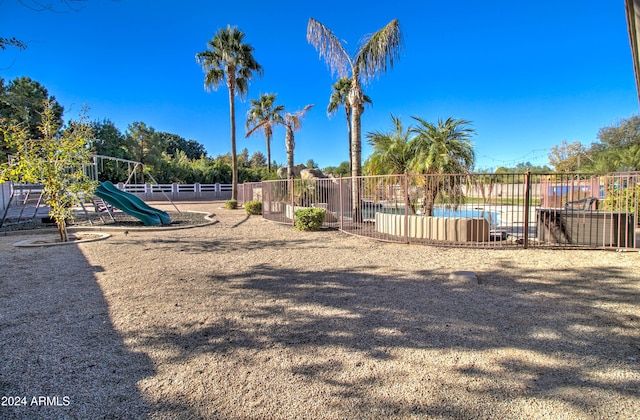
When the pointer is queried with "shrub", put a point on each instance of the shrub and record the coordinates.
(253, 207)
(309, 218)
(231, 204)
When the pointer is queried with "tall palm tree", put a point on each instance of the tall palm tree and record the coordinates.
(378, 52)
(229, 60)
(442, 148)
(293, 123)
(392, 151)
(340, 96)
(263, 116)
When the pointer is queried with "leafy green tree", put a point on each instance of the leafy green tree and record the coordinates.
(258, 160)
(194, 149)
(109, 141)
(174, 143)
(340, 97)
(627, 159)
(230, 60)
(219, 172)
(293, 123)
(144, 143)
(174, 168)
(392, 151)
(567, 157)
(617, 149)
(619, 145)
(622, 134)
(340, 170)
(56, 160)
(263, 115)
(310, 164)
(252, 174)
(523, 167)
(22, 103)
(243, 158)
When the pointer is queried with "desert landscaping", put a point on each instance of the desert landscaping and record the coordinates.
(246, 318)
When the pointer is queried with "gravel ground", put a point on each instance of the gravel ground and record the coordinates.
(249, 319)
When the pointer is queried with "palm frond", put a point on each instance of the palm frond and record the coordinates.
(329, 47)
(380, 51)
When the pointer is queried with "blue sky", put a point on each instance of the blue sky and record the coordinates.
(527, 74)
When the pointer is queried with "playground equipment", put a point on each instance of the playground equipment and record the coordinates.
(132, 205)
(26, 203)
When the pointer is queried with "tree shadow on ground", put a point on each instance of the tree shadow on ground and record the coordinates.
(556, 333)
(57, 341)
(200, 246)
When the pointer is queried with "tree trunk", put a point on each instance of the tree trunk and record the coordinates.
(62, 229)
(356, 102)
(268, 154)
(347, 109)
(234, 158)
(290, 144)
(430, 192)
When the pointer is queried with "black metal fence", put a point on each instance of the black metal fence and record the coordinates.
(475, 210)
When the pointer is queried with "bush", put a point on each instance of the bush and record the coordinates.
(231, 204)
(253, 207)
(309, 218)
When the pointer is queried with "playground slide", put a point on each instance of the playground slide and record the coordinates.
(132, 205)
(165, 219)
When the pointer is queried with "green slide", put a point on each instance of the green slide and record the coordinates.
(132, 205)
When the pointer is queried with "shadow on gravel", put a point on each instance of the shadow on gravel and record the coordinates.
(585, 322)
(202, 246)
(61, 355)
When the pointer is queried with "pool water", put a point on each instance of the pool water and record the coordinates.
(490, 216)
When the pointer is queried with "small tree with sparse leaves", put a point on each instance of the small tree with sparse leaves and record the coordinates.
(56, 161)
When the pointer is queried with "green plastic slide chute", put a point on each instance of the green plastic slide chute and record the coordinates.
(132, 205)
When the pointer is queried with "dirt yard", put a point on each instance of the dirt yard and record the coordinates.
(248, 319)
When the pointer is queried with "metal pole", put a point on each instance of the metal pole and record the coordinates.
(406, 208)
(341, 216)
(527, 193)
(293, 208)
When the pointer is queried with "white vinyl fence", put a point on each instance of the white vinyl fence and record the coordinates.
(178, 192)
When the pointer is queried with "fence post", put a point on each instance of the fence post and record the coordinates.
(340, 204)
(406, 208)
(293, 208)
(527, 193)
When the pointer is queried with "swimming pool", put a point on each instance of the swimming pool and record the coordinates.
(370, 209)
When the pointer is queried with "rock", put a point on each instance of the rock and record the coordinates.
(312, 173)
(466, 276)
(282, 171)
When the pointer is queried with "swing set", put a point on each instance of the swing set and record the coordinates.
(25, 201)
